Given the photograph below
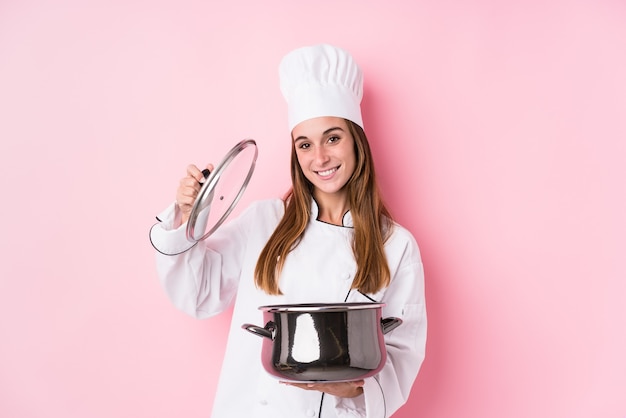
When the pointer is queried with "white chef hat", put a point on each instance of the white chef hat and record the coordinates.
(321, 80)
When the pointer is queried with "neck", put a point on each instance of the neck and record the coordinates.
(332, 208)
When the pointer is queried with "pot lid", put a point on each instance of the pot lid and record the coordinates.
(322, 307)
(221, 190)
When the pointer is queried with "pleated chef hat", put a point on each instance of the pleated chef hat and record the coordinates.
(321, 80)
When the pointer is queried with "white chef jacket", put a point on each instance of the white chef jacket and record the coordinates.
(207, 278)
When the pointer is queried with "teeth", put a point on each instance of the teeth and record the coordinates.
(327, 172)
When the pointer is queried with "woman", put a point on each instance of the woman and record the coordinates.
(330, 240)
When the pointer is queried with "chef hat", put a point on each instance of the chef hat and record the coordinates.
(321, 80)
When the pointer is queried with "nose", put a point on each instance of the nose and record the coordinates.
(321, 155)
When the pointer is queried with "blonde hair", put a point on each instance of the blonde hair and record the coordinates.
(371, 219)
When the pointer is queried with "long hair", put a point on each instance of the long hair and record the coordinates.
(371, 219)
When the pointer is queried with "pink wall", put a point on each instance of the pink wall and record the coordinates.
(500, 136)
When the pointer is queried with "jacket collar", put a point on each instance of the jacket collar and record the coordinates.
(346, 220)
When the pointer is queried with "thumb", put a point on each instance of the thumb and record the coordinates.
(206, 172)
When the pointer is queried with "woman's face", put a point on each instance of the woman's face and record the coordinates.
(325, 151)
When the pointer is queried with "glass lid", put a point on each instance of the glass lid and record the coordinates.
(221, 190)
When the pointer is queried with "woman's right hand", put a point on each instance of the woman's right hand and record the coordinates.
(188, 190)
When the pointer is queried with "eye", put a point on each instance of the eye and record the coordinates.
(304, 145)
(333, 139)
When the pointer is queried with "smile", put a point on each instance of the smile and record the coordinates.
(326, 173)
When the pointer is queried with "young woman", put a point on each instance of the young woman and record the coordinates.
(330, 240)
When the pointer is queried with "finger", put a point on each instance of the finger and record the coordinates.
(189, 183)
(187, 192)
(188, 186)
(206, 172)
(306, 386)
(186, 198)
(195, 173)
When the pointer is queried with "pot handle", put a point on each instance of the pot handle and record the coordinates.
(389, 324)
(267, 332)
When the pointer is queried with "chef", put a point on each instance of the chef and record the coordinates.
(330, 239)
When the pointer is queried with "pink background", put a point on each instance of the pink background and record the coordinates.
(500, 137)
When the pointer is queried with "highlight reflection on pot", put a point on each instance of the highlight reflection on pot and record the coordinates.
(306, 346)
(323, 342)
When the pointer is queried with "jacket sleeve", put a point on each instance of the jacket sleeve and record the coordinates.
(201, 279)
(386, 392)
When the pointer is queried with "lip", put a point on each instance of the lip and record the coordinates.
(328, 173)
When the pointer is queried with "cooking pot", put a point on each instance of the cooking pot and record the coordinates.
(323, 342)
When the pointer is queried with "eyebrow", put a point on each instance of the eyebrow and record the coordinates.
(326, 132)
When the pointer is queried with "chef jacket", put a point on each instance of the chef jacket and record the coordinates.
(219, 271)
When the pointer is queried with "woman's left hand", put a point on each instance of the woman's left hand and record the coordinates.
(339, 389)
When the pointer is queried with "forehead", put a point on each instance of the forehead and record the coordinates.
(316, 127)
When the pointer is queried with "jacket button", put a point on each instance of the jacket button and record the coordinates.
(263, 402)
(310, 413)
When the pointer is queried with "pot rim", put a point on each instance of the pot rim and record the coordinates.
(321, 307)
